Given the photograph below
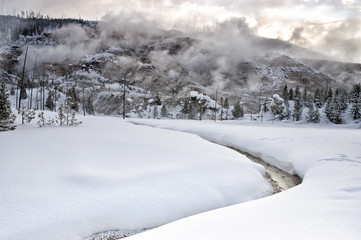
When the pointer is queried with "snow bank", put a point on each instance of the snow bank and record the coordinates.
(325, 206)
(69, 183)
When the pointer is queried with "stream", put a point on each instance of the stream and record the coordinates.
(279, 179)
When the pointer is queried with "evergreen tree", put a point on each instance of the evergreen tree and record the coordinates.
(329, 94)
(342, 100)
(305, 97)
(164, 111)
(237, 111)
(355, 93)
(73, 121)
(318, 98)
(285, 94)
(50, 102)
(74, 105)
(61, 115)
(42, 121)
(26, 115)
(291, 95)
(313, 115)
(356, 109)
(316, 117)
(7, 118)
(297, 111)
(328, 108)
(333, 110)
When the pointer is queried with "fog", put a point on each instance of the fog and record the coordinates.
(212, 58)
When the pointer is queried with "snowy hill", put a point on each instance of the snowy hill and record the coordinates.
(96, 57)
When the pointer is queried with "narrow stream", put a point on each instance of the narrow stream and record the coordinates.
(279, 179)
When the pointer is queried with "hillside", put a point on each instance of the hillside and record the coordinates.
(96, 57)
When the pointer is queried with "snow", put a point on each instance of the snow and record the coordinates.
(325, 206)
(106, 174)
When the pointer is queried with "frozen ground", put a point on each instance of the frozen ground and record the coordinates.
(71, 182)
(325, 206)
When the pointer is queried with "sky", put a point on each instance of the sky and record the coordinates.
(326, 25)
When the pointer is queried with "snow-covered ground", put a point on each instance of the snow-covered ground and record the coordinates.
(107, 174)
(325, 206)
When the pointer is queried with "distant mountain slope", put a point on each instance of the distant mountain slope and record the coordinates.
(162, 63)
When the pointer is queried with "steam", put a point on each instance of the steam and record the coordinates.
(212, 58)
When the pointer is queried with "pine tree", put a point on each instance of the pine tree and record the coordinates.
(26, 115)
(73, 121)
(318, 98)
(7, 118)
(313, 115)
(237, 111)
(285, 94)
(329, 94)
(328, 108)
(291, 95)
(356, 109)
(164, 111)
(333, 110)
(355, 93)
(61, 115)
(49, 102)
(305, 97)
(297, 111)
(42, 121)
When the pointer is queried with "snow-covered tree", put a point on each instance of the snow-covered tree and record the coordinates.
(26, 115)
(50, 102)
(278, 107)
(355, 93)
(291, 95)
(313, 114)
(298, 107)
(61, 115)
(333, 111)
(355, 110)
(318, 99)
(73, 121)
(285, 94)
(7, 118)
(41, 122)
(237, 110)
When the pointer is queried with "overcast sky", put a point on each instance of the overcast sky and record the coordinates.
(303, 22)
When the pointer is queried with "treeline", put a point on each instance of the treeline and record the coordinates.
(334, 103)
(33, 24)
